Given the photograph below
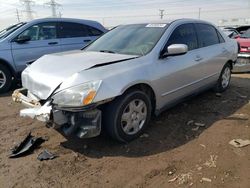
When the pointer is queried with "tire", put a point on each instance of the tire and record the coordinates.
(224, 79)
(5, 79)
(126, 118)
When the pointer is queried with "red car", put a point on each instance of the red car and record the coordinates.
(243, 62)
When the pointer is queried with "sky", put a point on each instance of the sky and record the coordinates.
(114, 12)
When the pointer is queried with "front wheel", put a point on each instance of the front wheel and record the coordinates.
(127, 116)
(224, 79)
(5, 79)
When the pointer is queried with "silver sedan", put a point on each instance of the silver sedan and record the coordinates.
(121, 79)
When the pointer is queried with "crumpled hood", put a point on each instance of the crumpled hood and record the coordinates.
(47, 73)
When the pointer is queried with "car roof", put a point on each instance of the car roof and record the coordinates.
(73, 20)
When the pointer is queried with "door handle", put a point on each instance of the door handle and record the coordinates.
(52, 43)
(87, 40)
(198, 58)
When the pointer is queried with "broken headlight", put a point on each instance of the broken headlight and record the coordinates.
(77, 96)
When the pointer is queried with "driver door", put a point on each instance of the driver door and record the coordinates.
(43, 40)
(180, 75)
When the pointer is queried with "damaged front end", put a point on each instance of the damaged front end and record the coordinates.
(83, 122)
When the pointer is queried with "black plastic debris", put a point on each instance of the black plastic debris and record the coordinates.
(46, 155)
(26, 146)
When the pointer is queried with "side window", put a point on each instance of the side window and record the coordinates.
(221, 39)
(42, 31)
(93, 31)
(184, 34)
(207, 35)
(72, 30)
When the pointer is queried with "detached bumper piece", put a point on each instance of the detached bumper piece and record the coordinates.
(83, 124)
(27, 145)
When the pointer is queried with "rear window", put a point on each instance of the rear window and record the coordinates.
(207, 35)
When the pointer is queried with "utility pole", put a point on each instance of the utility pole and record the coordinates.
(161, 13)
(17, 16)
(199, 13)
(53, 5)
(59, 14)
(27, 5)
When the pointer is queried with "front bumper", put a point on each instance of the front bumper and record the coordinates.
(83, 124)
(242, 64)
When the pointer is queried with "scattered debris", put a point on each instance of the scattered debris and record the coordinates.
(239, 143)
(184, 178)
(195, 129)
(240, 95)
(238, 117)
(27, 145)
(202, 145)
(191, 122)
(171, 170)
(173, 179)
(206, 180)
(211, 163)
(144, 135)
(45, 155)
(199, 168)
(218, 95)
(200, 124)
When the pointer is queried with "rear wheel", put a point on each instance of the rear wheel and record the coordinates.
(5, 79)
(126, 117)
(225, 78)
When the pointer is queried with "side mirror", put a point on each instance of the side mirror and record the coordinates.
(22, 39)
(174, 50)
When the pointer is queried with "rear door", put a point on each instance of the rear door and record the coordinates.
(75, 36)
(212, 50)
(44, 40)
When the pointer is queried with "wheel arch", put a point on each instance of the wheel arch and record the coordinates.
(7, 65)
(145, 87)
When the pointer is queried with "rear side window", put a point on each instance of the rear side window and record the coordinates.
(93, 31)
(221, 39)
(207, 35)
(184, 34)
(72, 30)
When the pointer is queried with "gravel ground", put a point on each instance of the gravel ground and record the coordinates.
(170, 154)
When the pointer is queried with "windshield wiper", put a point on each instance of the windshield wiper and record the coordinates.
(107, 51)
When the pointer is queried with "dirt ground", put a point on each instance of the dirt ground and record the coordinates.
(170, 154)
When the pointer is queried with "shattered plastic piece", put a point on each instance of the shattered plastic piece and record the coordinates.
(45, 155)
(144, 135)
(200, 124)
(27, 145)
(206, 179)
(191, 122)
(195, 129)
(218, 94)
(239, 143)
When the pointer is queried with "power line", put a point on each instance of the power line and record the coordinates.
(53, 5)
(27, 5)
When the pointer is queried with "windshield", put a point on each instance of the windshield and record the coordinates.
(138, 39)
(246, 34)
(4, 33)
